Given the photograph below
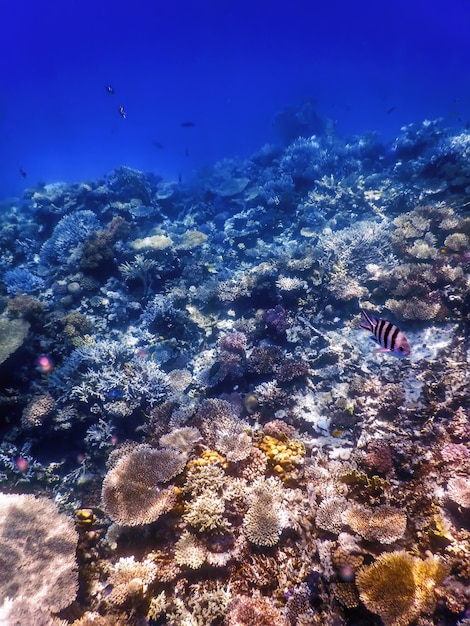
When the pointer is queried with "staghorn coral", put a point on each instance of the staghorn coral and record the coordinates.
(400, 587)
(266, 516)
(38, 568)
(131, 494)
(384, 524)
(129, 579)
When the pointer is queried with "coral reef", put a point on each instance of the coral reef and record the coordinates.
(183, 372)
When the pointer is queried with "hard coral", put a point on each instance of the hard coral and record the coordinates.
(284, 456)
(254, 611)
(131, 493)
(38, 567)
(266, 517)
(384, 524)
(129, 579)
(400, 587)
(458, 490)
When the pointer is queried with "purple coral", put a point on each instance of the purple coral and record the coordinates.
(277, 320)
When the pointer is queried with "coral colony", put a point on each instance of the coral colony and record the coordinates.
(195, 428)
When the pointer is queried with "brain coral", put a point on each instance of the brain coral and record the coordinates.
(400, 587)
(37, 560)
(131, 494)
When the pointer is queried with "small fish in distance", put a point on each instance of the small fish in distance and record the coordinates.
(122, 112)
(23, 173)
(389, 336)
(110, 89)
(187, 124)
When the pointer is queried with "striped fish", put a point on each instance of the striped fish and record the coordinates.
(387, 335)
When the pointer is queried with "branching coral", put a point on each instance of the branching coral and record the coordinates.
(132, 493)
(130, 579)
(400, 587)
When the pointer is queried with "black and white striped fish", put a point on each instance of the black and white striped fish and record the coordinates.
(389, 336)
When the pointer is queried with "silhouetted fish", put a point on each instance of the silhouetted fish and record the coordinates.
(187, 124)
(122, 112)
(158, 145)
(23, 173)
(391, 109)
(110, 89)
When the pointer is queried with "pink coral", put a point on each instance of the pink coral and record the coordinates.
(254, 611)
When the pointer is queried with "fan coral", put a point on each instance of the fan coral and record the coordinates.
(400, 587)
(130, 578)
(254, 611)
(383, 524)
(266, 517)
(38, 567)
(458, 490)
(131, 494)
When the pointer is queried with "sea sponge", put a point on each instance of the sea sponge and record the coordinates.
(129, 579)
(131, 494)
(38, 568)
(400, 587)
(267, 516)
(384, 524)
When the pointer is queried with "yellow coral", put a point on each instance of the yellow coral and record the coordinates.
(400, 587)
(208, 457)
(284, 457)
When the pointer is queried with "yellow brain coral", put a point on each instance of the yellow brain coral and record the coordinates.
(400, 587)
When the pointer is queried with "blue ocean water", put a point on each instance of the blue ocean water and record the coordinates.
(227, 66)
